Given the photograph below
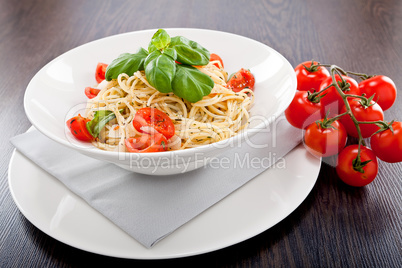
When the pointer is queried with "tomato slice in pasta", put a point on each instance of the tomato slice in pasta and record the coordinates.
(91, 92)
(148, 119)
(147, 143)
(241, 80)
(77, 126)
(100, 72)
(215, 57)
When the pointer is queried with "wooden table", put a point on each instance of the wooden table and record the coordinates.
(336, 225)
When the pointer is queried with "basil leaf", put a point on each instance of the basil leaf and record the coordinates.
(101, 118)
(168, 51)
(189, 52)
(161, 39)
(151, 48)
(191, 84)
(126, 63)
(171, 53)
(160, 70)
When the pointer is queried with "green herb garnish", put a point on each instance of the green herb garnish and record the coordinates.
(126, 63)
(188, 77)
(101, 118)
(167, 66)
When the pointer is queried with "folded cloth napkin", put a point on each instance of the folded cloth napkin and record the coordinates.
(150, 208)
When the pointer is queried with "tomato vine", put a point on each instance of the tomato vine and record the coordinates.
(360, 115)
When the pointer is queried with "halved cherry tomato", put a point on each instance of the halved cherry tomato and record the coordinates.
(91, 92)
(147, 143)
(309, 79)
(240, 80)
(345, 167)
(153, 118)
(215, 57)
(77, 126)
(100, 72)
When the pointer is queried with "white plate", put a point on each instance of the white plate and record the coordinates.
(252, 209)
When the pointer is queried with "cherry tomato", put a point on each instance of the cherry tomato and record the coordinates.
(240, 80)
(310, 79)
(77, 126)
(91, 92)
(301, 112)
(332, 100)
(155, 119)
(351, 176)
(387, 145)
(214, 57)
(100, 72)
(383, 88)
(147, 143)
(327, 141)
(363, 114)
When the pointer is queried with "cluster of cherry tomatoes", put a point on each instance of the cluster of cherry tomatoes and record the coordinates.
(331, 106)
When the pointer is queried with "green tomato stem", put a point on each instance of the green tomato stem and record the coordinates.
(381, 124)
(355, 96)
(338, 116)
(335, 69)
(361, 75)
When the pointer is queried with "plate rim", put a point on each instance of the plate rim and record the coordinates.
(140, 256)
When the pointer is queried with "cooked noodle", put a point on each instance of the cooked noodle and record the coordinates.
(220, 115)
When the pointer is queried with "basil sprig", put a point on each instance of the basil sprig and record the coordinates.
(190, 77)
(167, 66)
(101, 118)
(126, 63)
(189, 52)
(161, 39)
(160, 69)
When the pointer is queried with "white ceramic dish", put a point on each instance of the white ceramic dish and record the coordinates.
(56, 93)
(252, 209)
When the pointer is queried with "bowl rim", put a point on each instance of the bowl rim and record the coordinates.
(237, 139)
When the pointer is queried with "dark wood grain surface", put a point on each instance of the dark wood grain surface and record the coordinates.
(336, 226)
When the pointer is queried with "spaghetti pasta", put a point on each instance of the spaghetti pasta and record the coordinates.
(218, 116)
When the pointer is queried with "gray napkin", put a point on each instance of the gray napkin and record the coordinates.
(150, 208)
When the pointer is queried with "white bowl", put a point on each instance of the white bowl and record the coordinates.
(56, 93)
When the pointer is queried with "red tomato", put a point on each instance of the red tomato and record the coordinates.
(332, 100)
(363, 114)
(301, 112)
(387, 145)
(100, 72)
(215, 57)
(324, 142)
(241, 80)
(147, 143)
(310, 79)
(91, 92)
(78, 128)
(348, 174)
(155, 119)
(383, 88)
